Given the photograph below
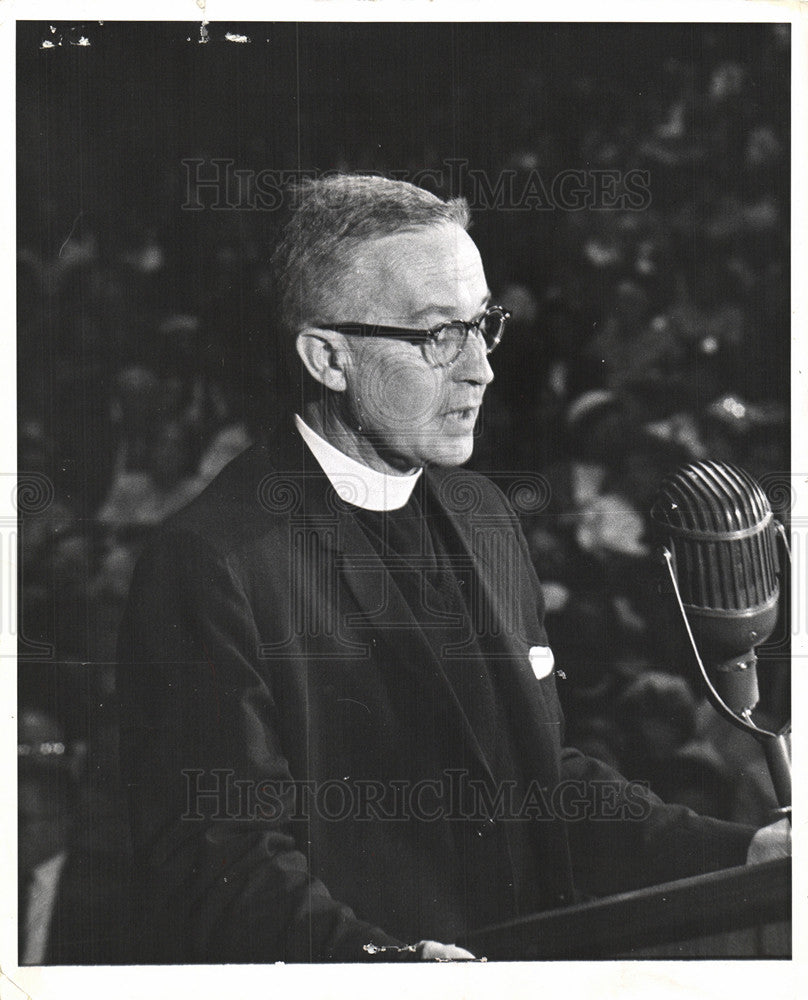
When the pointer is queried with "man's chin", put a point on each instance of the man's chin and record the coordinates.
(444, 452)
(451, 453)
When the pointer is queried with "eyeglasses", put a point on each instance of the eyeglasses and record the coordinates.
(442, 344)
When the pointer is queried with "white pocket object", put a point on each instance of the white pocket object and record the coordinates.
(541, 661)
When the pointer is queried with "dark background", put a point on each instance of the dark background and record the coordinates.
(640, 339)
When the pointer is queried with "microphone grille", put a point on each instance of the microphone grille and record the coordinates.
(719, 526)
(709, 497)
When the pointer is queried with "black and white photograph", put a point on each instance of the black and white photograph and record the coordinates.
(405, 538)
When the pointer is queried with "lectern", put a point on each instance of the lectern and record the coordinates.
(736, 913)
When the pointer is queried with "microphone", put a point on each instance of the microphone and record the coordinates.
(720, 531)
(719, 540)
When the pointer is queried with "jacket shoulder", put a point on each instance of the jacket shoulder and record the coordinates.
(464, 491)
(246, 498)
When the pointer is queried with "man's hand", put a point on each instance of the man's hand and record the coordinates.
(770, 842)
(434, 951)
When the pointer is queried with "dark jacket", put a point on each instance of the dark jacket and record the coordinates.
(265, 642)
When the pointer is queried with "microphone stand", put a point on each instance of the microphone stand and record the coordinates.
(775, 745)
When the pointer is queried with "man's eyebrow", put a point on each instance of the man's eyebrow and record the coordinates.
(448, 310)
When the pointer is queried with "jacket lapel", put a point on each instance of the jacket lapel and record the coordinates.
(507, 617)
(372, 587)
(336, 544)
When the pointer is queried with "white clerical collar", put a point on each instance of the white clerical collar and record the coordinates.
(354, 482)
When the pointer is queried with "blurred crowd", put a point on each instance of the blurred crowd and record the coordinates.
(639, 340)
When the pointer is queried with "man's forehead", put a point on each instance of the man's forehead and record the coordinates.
(413, 271)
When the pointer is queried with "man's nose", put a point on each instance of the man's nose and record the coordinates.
(472, 365)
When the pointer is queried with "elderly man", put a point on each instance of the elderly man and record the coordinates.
(340, 730)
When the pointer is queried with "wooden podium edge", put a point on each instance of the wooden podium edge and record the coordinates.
(728, 900)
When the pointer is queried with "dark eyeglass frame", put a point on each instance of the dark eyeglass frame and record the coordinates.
(430, 335)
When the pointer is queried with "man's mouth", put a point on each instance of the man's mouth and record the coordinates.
(463, 414)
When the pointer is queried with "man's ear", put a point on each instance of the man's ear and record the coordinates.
(325, 356)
